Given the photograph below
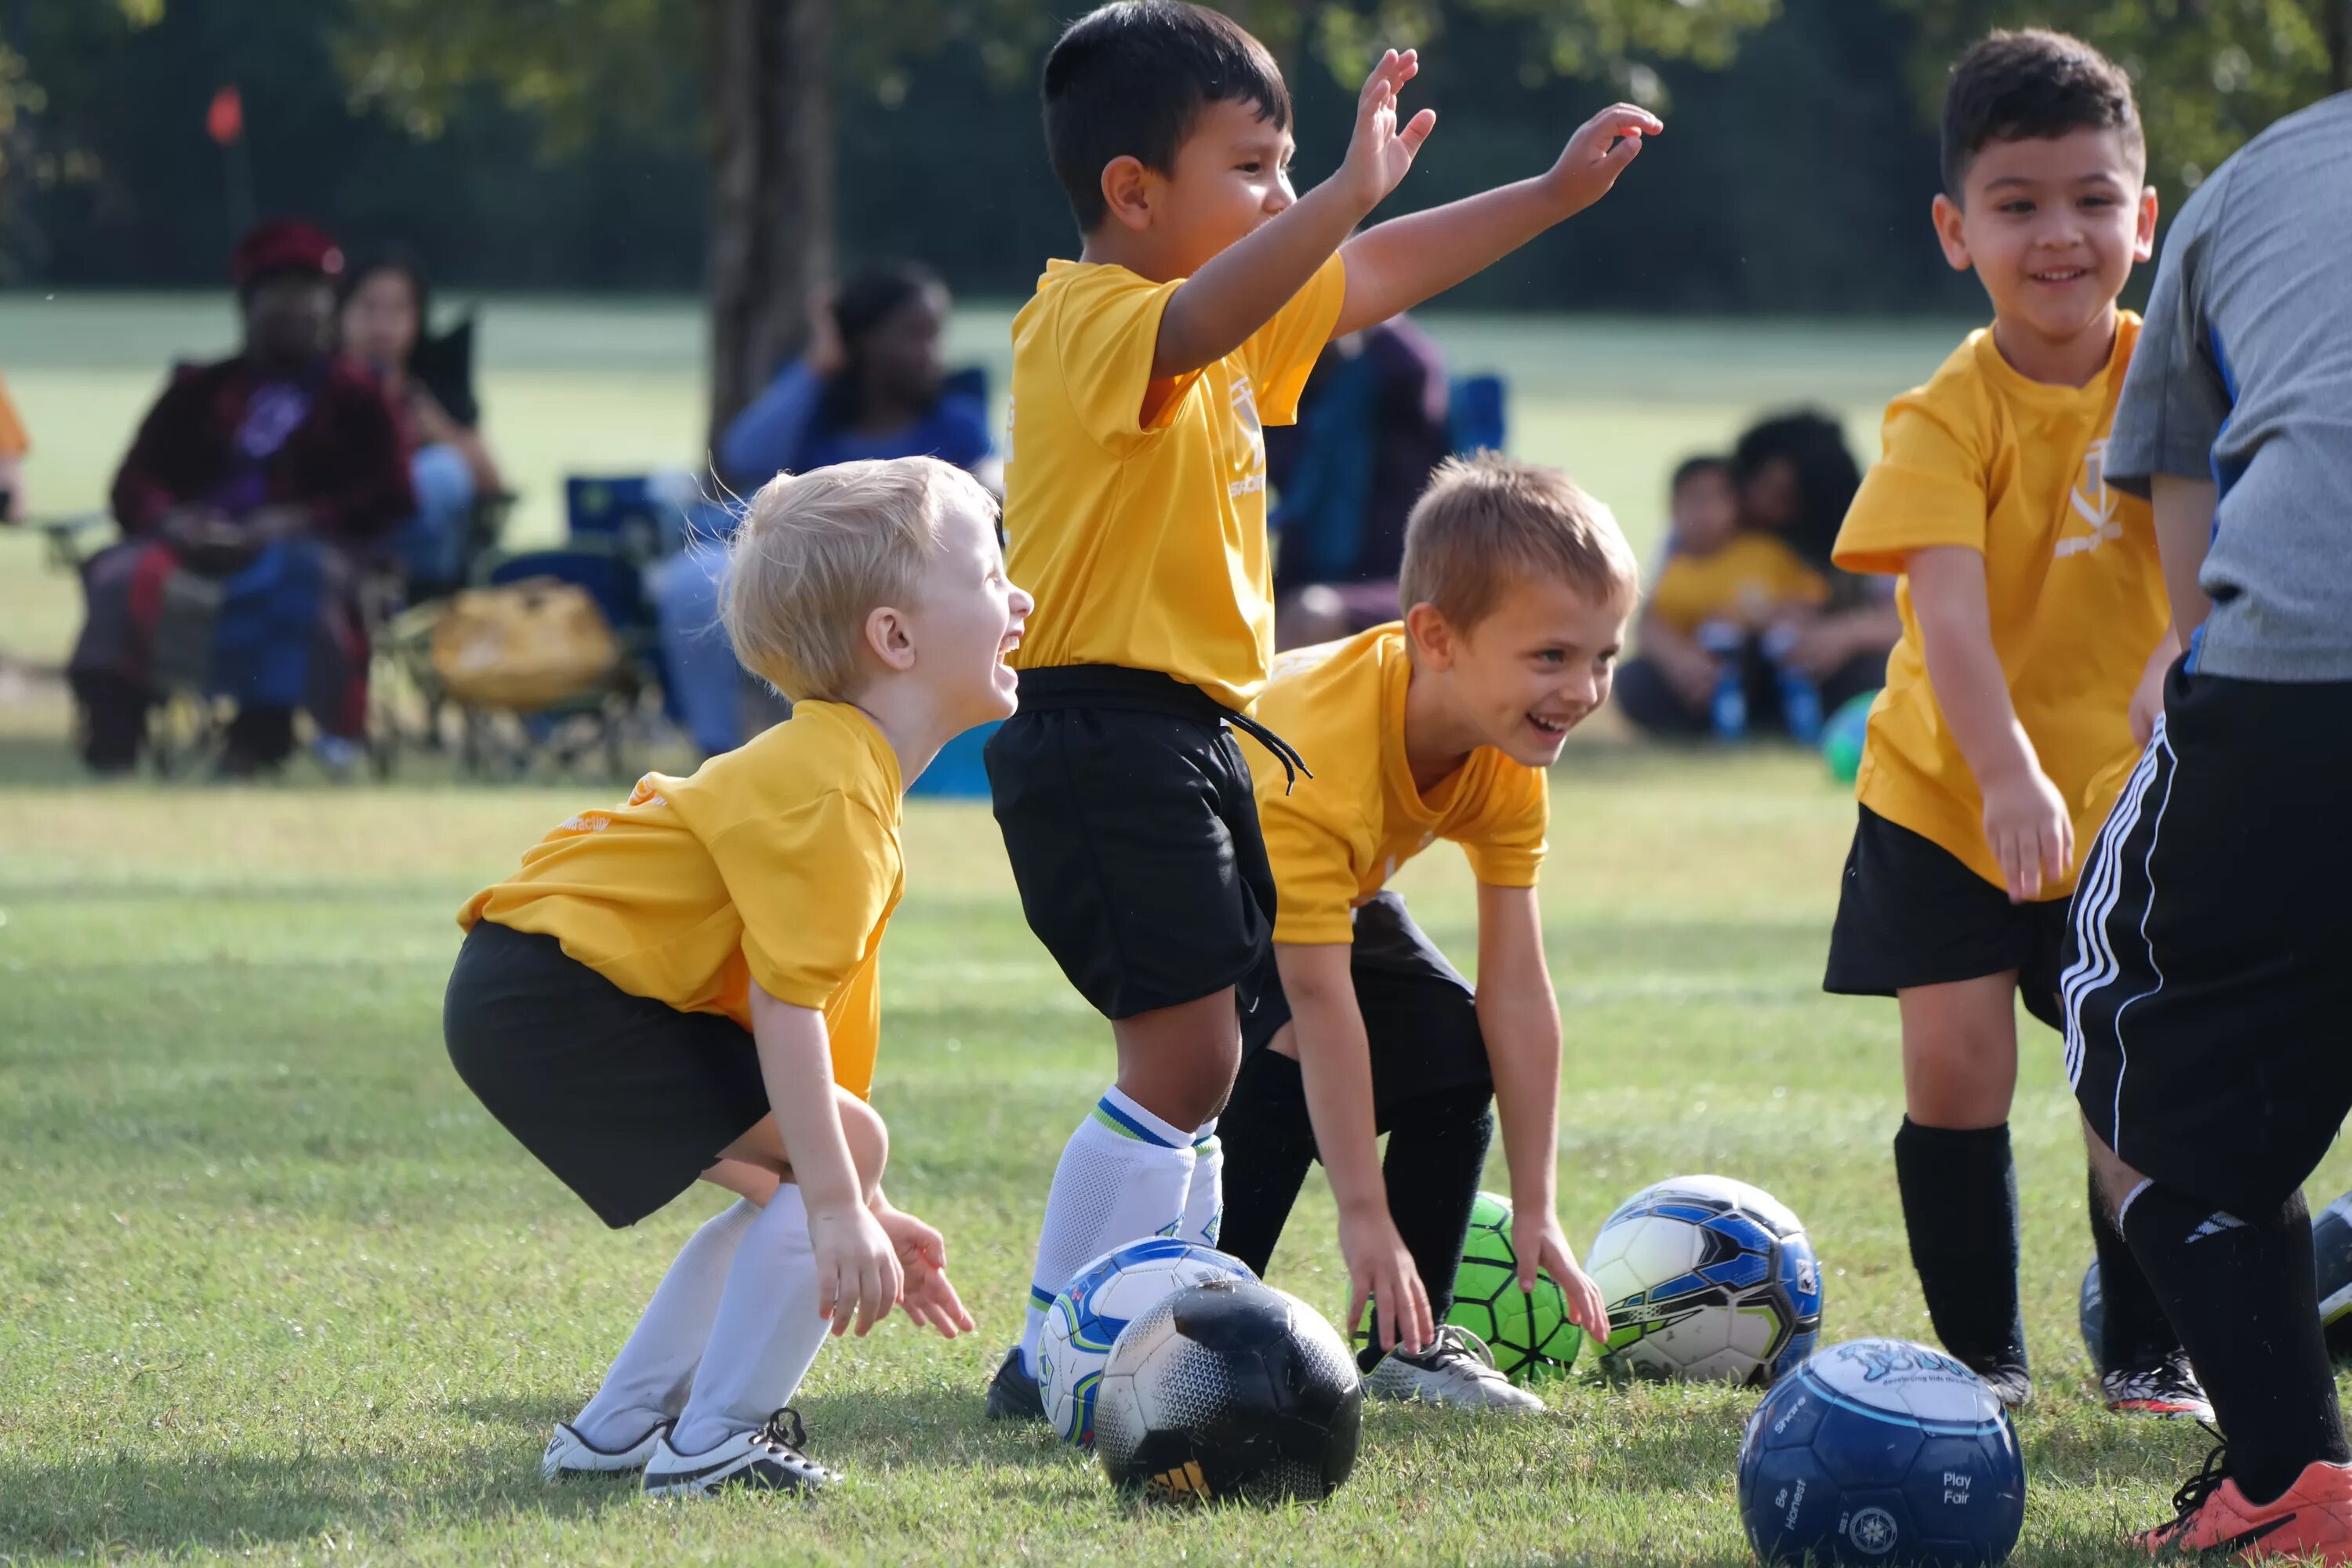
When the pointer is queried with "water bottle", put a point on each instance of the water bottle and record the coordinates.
(1727, 710)
(1801, 697)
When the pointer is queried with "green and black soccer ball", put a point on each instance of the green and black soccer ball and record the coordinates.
(1528, 1332)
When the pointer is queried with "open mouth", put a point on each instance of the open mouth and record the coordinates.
(1004, 648)
(2061, 275)
(1549, 726)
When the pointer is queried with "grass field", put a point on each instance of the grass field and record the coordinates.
(276, 1289)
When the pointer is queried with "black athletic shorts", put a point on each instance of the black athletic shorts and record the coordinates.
(1910, 912)
(626, 1099)
(1127, 814)
(2207, 1035)
(1421, 1017)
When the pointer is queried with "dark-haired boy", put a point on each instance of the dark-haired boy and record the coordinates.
(1142, 376)
(2204, 988)
(2034, 638)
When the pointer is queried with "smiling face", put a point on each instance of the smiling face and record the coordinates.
(1536, 666)
(1230, 175)
(967, 618)
(2052, 225)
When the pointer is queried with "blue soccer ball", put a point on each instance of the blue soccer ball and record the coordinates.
(1880, 1451)
(1104, 1297)
(1709, 1279)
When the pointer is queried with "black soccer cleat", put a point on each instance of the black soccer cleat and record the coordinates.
(2008, 1379)
(1012, 1394)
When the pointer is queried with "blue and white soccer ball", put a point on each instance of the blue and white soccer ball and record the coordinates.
(1877, 1451)
(1103, 1298)
(1706, 1278)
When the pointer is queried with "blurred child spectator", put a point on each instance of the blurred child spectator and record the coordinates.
(1748, 624)
(13, 445)
(873, 384)
(385, 317)
(1372, 424)
(250, 487)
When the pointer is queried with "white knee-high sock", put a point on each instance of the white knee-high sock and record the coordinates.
(1204, 1201)
(649, 1379)
(1124, 1176)
(767, 1334)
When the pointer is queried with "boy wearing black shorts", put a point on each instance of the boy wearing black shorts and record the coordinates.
(2204, 987)
(686, 985)
(1143, 375)
(1517, 586)
(2035, 635)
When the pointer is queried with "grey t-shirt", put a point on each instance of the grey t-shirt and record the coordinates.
(2244, 371)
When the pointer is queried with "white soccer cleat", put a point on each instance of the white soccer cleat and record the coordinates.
(1458, 1371)
(769, 1459)
(569, 1454)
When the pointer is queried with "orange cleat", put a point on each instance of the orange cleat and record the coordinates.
(2313, 1518)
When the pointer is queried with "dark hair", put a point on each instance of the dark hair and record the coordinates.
(1130, 80)
(2028, 87)
(1814, 445)
(871, 297)
(1690, 468)
(397, 259)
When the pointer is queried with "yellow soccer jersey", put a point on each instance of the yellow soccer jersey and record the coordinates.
(1982, 457)
(1337, 837)
(778, 862)
(1745, 580)
(1135, 509)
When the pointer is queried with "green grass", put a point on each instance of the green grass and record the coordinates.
(275, 1288)
(278, 1288)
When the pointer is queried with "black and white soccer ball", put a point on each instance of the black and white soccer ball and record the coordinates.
(1229, 1391)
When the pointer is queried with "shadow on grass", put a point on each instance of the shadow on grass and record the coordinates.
(127, 1501)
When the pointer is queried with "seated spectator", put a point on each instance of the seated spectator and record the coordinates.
(13, 445)
(386, 310)
(1372, 424)
(250, 487)
(1748, 624)
(872, 384)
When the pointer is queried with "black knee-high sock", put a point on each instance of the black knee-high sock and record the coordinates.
(1959, 1205)
(1437, 1154)
(2242, 1294)
(2133, 1330)
(1268, 1143)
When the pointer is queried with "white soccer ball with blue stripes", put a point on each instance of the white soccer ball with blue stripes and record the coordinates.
(1104, 1296)
(1706, 1278)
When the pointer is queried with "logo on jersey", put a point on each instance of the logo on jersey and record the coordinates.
(2092, 505)
(1249, 460)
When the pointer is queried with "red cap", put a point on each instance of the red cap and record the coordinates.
(284, 245)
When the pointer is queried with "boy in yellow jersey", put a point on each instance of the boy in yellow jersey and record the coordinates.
(1439, 726)
(2035, 636)
(1143, 375)
(686, 985)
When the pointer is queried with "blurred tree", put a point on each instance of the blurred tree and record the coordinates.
(68, 39)
(2209, 74)
(767, 100)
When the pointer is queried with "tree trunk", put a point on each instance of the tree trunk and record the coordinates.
(2336, 27)
(771, 187)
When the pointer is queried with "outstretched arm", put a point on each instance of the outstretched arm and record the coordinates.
(1407, 259)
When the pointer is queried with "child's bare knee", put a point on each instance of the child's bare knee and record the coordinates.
(869, 1141)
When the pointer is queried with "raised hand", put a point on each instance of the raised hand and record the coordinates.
(1378, 153)
(1600, 149)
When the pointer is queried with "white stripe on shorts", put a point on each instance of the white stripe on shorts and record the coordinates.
(2148, 873)
(2094, 900)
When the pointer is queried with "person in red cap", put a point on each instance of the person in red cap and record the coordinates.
(251, 487)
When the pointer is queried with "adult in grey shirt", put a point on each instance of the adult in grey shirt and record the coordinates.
(2242, 379)
(2206, 1030)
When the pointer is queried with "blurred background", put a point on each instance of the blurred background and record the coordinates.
(633, 209)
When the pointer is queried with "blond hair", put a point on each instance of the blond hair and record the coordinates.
(817, 552)
(1488, 520)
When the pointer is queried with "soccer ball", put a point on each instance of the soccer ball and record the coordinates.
(1529, 1334)
(1880, 1450)
(2331, 1261)
(1085, 1318)
(1706, 1278)
(1229, 1390)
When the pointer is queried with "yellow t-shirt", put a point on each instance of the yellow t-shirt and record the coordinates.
(1336, 838)
(14, 443)
(1135, 509)
(1745, 581)
(1982, 457)
(778, 862)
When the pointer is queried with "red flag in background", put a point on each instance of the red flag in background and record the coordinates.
(224, 121)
